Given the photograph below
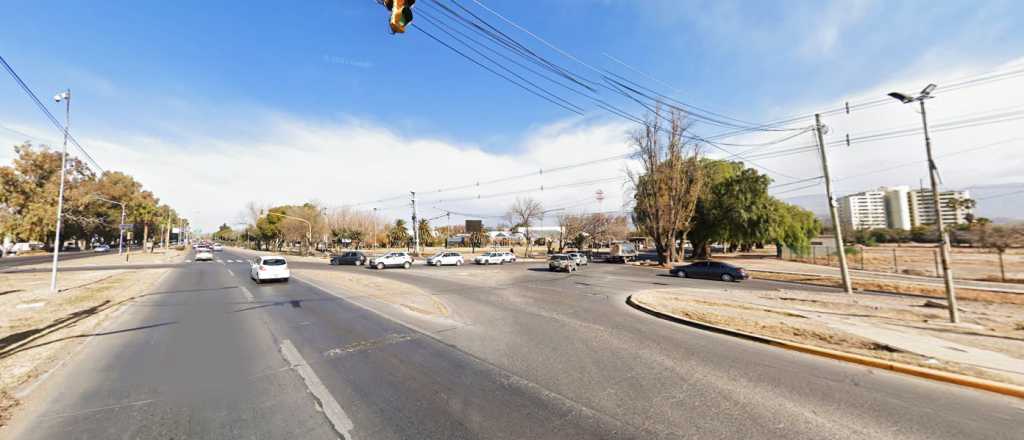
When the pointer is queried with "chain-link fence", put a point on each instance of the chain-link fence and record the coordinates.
(967, 263)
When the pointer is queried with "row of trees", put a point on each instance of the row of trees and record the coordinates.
(680, 195)
(28, 201)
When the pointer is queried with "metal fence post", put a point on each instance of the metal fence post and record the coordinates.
(862, 259)
(935, 254)
(828, 257)
(1002, 269)
(814, 258)
(895, 264)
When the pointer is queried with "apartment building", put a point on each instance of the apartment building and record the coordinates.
(864, 210)
(899, 207)
(922, 208)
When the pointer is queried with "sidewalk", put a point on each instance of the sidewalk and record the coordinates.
(989, 344)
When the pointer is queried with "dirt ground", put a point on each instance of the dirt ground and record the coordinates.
(392, 292)
(40, 329)
(818, 319)
(935, 291)
(916, 259)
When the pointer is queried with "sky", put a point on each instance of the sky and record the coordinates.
(215, 104)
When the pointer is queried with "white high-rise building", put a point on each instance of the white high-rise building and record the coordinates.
(899, 207)
(922, 208)
(864, 210)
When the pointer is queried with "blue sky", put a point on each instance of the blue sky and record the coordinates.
(196, 74)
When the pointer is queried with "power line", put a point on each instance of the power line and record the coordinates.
(47, 113)
(1000, 195)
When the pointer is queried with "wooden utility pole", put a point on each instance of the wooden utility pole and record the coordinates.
(833, 206)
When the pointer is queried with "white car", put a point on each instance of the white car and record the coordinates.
(491, 258)
(580, 259)
(445, 258)
(392, 259)
(510, 257)
(101, 248)
(269, 267)
(204, 254)
(217, 247)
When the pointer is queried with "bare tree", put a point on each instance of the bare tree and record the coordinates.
(522, 214)
(669, 182)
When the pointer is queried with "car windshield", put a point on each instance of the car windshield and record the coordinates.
(274, 262)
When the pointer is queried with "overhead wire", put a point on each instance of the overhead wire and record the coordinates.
(46, 112)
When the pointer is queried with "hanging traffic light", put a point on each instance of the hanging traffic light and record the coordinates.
(401, 14)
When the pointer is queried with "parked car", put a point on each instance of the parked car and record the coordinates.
(510, 257)
(713, 270)
(204, 254)
(491, 258)
(357, 258)
(562, 262)
(392, 259)
(445, 258)
(267, 268)
(217, 247)
(101, 248)
(580, 259)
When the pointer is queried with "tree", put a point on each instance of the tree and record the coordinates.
(522, 214)
(426, 233)
(669, 183)
(478, 240)
(794, 227)
(224, 233)
(28, 192)
(398, 235)
(1002, 238)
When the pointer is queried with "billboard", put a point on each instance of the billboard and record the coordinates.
(474, 226)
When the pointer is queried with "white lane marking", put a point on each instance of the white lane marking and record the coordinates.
(30, 305)
(220, 261)
(335, 414)
(188, 261)
(248, 294)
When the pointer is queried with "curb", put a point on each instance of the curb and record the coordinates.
(927, 373)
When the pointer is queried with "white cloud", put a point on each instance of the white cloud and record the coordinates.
(284, 159)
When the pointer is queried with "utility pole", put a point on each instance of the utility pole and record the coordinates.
(66, 97)
(933, 175)
(947, 271)
(415, 226)
(833, 206)
(448, 236)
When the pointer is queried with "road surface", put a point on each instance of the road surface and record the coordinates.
(525, 354)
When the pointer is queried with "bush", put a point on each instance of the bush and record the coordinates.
(852, 250)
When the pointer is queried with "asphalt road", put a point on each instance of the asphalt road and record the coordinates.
(10, 261)
(525, 354)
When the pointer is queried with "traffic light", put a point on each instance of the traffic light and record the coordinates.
(401, 14)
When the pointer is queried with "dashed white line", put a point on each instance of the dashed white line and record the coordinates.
(335, 414)
(247, 293)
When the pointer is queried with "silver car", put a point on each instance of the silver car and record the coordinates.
(580, 259)
(562, 262)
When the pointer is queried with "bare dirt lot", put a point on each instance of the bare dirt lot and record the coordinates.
(919, 259)
(989, 344)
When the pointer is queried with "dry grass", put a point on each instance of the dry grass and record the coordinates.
(935, 291)
(968, 263)
(804, 317)
(38, 329)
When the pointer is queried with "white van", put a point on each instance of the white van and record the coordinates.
(269, 267)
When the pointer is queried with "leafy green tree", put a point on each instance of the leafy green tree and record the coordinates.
(224, 233)
(794, 227)
(426, 233)
(398, 235)
(733, 208)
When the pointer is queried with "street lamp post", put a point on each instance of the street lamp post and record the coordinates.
(309, 235)
(120, 227)
(933, 170)
(66, 97)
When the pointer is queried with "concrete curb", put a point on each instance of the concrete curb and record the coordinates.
(927, 373)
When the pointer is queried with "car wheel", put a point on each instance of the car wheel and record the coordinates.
(286, 280)
(380, 266)
(502, 262)
(258, 280)
(727, 278)
(458, 262)
(406, 265)
(681, 274)
(333, 263)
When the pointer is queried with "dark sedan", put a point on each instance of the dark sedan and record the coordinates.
(712, 270)
(354, 257)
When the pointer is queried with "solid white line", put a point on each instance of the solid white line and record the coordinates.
(248, 294)
(335, 414)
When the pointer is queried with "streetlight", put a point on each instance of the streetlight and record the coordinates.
(66, 97)
(309, 236)
(947, 271)
(120, 227)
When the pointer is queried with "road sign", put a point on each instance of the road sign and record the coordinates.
(474, 226)
(127, 226)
